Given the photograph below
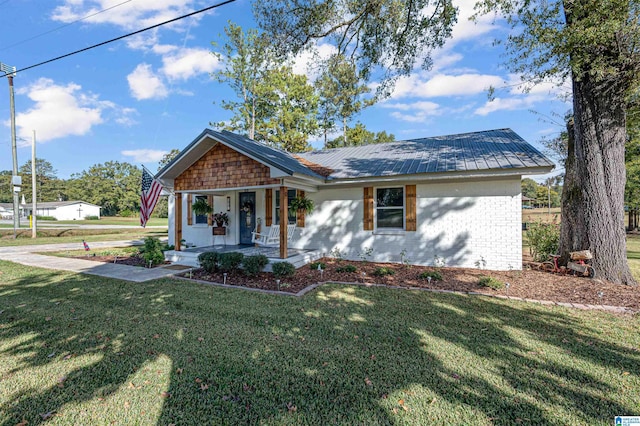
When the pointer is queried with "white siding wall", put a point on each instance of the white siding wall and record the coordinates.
(461, 222)
(70, 212)
(201, 234)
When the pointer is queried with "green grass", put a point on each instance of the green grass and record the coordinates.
(541, 214)
(108, 251)
(88, 350)
(633, 255)
(52, 236)
(112, 220)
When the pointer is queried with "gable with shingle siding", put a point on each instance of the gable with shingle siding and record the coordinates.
(223, 167)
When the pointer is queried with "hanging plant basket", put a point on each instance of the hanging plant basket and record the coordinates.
(301, 204)
(201, 207)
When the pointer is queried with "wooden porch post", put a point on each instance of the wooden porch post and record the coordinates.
(284, 221)
(177, 216)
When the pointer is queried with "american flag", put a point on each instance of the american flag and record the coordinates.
(150, 191)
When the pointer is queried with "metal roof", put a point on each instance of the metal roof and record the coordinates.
(56, 204)
(477, 151)
(266, 154)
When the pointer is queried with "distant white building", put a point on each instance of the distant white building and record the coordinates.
(6, 210)
(65, 210)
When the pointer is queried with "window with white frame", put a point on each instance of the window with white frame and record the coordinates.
(200, 219)
(291, 194)
(390, 208)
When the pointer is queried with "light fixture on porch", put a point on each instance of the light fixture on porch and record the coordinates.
(228, 204)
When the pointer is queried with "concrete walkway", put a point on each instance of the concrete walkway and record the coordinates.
(28, 255)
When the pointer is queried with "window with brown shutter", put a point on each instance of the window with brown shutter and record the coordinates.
(368, 209)
(410, 206)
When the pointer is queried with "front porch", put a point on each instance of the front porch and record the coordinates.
(296, 257)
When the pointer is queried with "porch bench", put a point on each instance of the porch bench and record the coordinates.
(272, 236)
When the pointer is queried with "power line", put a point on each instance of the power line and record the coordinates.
(123, 36)
(61, 26)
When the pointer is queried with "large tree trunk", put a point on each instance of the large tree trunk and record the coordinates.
(572, 216)
(599, 173)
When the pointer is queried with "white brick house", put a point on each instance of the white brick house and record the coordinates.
(452, 199)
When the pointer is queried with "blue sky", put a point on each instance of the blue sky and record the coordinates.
(136, 99)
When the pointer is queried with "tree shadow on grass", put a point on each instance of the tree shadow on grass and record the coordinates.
(174, 352)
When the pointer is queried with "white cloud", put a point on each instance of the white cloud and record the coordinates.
(507, 104)
(145, 155)
(131, 15)
(59, 111)
(418, 85)
(466, 29)
(144, 84)
(307, 61)
(415, 112)
(186, 63)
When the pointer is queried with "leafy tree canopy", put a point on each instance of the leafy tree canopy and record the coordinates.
(387, 36)
(359, 135)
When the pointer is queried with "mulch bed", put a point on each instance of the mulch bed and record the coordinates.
(528, 283)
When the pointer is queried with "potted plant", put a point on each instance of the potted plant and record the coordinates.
(301, 204)
(221, 219)
(201, 207)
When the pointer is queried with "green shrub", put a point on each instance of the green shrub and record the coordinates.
(92, 218)
(127, 213)
(283, 269)
(152, 251)
(383, 271)
(346, 268)
(230, 261)
(435, 275)
(209, 261)
(45, 218)
(253, 265)
(543, 239)
(490, 282)
(314, 265)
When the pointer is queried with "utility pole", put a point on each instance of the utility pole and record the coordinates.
(33, 186)
(16, 181)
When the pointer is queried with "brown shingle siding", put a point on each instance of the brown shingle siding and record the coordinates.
(222, 167)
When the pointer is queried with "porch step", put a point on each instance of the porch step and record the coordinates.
(191, 258)
(182, 258)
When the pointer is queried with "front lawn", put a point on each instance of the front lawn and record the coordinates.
(75, 235)
(78, 349)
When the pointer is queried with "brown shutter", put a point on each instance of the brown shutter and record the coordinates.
(178, 220)
(210, 216)
(189, 215)
(410, 207)
(300, 214)
(368, 208)
(268, 207)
